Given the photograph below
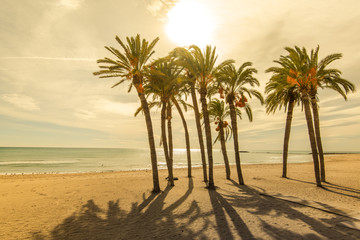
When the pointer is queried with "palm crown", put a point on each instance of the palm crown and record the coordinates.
(164, 79)
(327, 77)
(200, 65)
(129, 65)
(307, 73)
(279, 93)
(218, 112)
(233, 85)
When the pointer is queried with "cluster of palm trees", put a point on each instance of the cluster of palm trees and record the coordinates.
(191, 71)
(296, 81)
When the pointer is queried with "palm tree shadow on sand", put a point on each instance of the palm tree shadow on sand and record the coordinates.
(228, 207)
(222, 207)
(253, 202)
(150, 219)
(239, 212)
(334, 188)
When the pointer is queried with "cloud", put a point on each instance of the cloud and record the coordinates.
(340, 111)
(50, 58)
(105, 105)
(21, 101)
(84, 114)
(331, 99)
(70, 4)
(159, 8)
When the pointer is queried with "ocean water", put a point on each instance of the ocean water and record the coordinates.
(14, 160)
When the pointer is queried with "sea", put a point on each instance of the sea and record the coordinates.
(32, 160)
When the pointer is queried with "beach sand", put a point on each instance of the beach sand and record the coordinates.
(119, 205)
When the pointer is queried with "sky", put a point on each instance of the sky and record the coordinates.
(48, 51)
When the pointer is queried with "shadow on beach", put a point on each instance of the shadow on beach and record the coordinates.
(261, 206)
(335, 188)
(239, 212)
(150, 219)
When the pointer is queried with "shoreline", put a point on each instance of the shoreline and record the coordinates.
(145, 169)
(137, 170)
(67, 162)
(119, 205)
(159, 169)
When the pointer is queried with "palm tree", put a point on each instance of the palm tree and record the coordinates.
(233, 84)
(163, 77)
(282, 94)
(320, 76)
(296, 67)
(187, 136)
(201, 65)
(169, 126)
(129, 66)
(217, 113)
(187, 60)
(177, 101)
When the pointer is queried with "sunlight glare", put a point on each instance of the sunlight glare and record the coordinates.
(189, 22)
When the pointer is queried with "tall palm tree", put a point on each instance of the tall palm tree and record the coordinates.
(233, 83)
(178, 102)
(129, 65)
(296, 66)
(163, 78)
(321, 76)
(187, 60)
(169, 130)
(282, 94)
(218, 113)
(175, 101)
(202, 67)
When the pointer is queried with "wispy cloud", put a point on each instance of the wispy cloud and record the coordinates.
(337, 98)
(105, 105)
(349, 121)
(340, 112)
(70, 4)
(84, 114)
(159, 8)
(21, 101)
(50, 58)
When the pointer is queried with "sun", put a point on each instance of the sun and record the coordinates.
(190, 22)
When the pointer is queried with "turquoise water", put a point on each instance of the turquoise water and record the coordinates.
(73, 160)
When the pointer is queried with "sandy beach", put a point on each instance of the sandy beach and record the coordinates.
(119, 205)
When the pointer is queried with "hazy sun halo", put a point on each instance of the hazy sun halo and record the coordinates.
(189, 22)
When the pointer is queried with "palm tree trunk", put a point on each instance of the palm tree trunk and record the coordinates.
(223, 150)
(187, 137)
(204, 108)
(310, 126)
(236, 143)
(198, 127)
(155, 173)
(318, 137)
(170, 138)
(165, 145)
(287, 135)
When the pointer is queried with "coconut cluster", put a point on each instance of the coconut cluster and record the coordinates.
(240, 101)
(218, 121)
